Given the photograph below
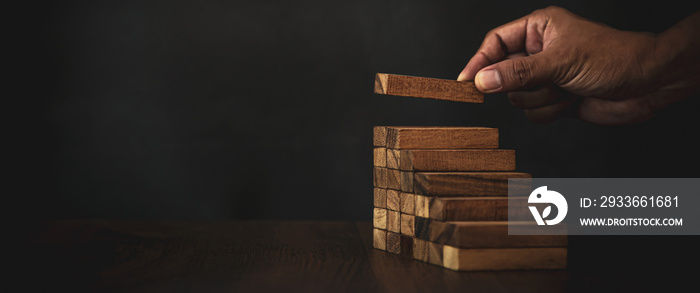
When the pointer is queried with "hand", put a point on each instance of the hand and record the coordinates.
(553, 62)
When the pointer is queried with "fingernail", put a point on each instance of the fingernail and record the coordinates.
(488, 80)
(462, 77)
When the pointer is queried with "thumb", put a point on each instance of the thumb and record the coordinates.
(517, 74)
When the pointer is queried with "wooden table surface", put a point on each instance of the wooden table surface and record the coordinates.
(265, 256)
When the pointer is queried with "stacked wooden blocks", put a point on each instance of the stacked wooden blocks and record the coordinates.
(441, 196)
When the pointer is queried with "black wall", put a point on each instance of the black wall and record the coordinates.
(264, 109)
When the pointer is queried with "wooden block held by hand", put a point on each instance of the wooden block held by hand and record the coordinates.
(421, 138)
(423, 87)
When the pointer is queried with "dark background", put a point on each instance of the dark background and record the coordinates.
(264, 109)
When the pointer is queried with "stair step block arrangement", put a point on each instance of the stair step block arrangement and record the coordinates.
(441, 197)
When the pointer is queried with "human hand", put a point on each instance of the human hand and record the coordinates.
(553, 62)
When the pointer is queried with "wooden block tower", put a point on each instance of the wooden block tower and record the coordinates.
(441, 196)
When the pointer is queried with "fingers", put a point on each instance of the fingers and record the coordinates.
(498, 43)
(536, 98)
(518, 74)
(524, 34)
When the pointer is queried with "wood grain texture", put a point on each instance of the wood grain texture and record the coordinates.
(380, 218)
(393, 200)
(379, 136)
(379, 239)
(422, 228)
(424, 87)
(408, 225)
(393, 221)
(393, 158)
(380, 157)
(422, 206)
(407, 246)
(393, 179)
(380, 197)
(435, 251)
(487, 235)
(406, 181)
(460, 259)
(451, 160)
(467, 183)
(472, 208)
(380, 179)
(408, 203)
(418, 138)
(420, 250)
(393, 242)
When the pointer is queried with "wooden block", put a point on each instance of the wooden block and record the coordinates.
(393, 179)
(380, 177)
(408, 225)
(422, 206)
(424, 87)
(451, 160)
(460, 259)
(467, 183)
(406, 181)
(393, 200)
(393, 158)
(380, 157)
(421, 228)
(380, 218)
(406, 246)
(435, 253)
(380, 197)
(488, 235)
(418, 138)
(393, 242)
(408, 203)
(470, 208)
(393, 221)
(380, 136)
(379, 239)
(420, 250)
